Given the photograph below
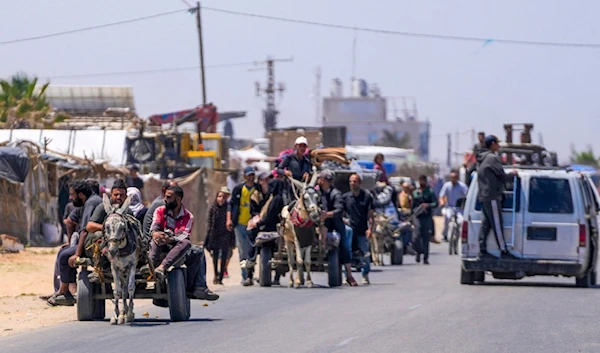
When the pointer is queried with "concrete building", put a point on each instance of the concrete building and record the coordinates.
(371, 119)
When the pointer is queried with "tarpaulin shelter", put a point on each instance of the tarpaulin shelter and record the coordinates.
(31, 180)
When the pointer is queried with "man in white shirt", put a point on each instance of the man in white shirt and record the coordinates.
(450, 193)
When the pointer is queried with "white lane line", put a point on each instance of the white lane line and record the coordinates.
(414, 307)
(346, 341)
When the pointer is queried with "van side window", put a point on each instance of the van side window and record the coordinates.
(507, 197)
(550, 195)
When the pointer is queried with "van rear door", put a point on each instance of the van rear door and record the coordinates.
(515, 245)
(551, 222)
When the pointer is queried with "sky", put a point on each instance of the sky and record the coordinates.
(459, 85)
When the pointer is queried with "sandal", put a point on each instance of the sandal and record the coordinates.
(61, 300)
(351, 282)
(159, 274)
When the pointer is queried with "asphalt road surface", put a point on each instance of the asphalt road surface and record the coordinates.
(408, 308)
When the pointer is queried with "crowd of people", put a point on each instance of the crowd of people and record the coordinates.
(253, 204)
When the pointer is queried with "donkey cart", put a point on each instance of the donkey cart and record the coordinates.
(92, 295)
(274, 259)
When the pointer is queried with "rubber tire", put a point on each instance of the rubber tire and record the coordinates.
(264, 276)
(397, 252)
(179, 303)
(585, 281)
(467, 277)
(334, 273)
(479, 276)
(594, 277)
(100, 304)
(85, 299)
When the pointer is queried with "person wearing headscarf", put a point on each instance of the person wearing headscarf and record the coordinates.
(136, 206)
(219, 240)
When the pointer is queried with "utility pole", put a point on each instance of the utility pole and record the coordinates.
(199, 25)
(318, 95)
(449, 151)
(270, 113)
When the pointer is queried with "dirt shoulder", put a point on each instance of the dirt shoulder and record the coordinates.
(28, 274)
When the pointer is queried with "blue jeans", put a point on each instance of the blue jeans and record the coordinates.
(363, 244)
(244, 246)
(346, 247)
(406, 237)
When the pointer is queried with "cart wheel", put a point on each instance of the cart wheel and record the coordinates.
(333, 268)
(85, 297)
(264, 276)
(179, 303)
(397, 252)
(100, 304)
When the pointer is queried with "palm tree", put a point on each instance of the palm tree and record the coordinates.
(21, 105)
(391, 139)
(585, 157)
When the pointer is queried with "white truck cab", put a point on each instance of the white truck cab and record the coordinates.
(550, 221)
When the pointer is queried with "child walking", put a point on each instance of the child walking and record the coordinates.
(219, 241)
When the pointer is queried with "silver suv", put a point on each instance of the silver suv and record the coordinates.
(550, 218)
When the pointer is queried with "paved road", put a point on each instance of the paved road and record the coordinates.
(410, 308)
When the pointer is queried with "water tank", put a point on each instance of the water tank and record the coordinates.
(336, 88)
(360, 88)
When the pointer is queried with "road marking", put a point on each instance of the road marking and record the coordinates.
(346, 341)
(414, 307)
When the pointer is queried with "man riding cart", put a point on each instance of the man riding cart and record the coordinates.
(164, 224)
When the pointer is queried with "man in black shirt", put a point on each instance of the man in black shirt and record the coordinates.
(358, 205)
(133, 178)
(332, 213)
(298, 165)
(82, 196)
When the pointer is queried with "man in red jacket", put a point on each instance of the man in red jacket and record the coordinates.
(174, 217)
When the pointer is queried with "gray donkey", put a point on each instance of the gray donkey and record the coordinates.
(300, 218)
(124, 249)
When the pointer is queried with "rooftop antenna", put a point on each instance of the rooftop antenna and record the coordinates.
(353, 57)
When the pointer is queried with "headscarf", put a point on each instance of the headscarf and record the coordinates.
(136, 204)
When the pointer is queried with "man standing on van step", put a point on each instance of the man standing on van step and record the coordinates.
(490, 180)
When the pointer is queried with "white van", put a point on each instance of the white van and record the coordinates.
(553, 229)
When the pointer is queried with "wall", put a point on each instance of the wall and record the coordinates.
(352, 109)
(368, 133)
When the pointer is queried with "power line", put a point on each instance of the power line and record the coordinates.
(92, 27)
(320, 24)
(406, 34)
(150, 71)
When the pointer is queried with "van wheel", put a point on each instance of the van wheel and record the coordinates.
(467, 277)
(479, 276)
(585, 281)
(594, 277)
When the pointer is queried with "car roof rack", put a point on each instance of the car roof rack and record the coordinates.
(538, 167)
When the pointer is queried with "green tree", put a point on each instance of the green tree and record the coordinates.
(21, 105)
(586, 157)
(391, 139)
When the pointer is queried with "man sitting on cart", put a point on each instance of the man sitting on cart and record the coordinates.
(171, 228)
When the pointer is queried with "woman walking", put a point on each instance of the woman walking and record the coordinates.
(219, 241)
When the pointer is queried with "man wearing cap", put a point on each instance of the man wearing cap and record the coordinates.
(490, 179)
(477, 148)
(332, 213)
(238, 216)
(298, 165)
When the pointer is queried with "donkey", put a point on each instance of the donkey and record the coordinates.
(299, 221)
(124, 249)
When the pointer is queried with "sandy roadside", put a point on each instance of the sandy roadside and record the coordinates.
(28, 274)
